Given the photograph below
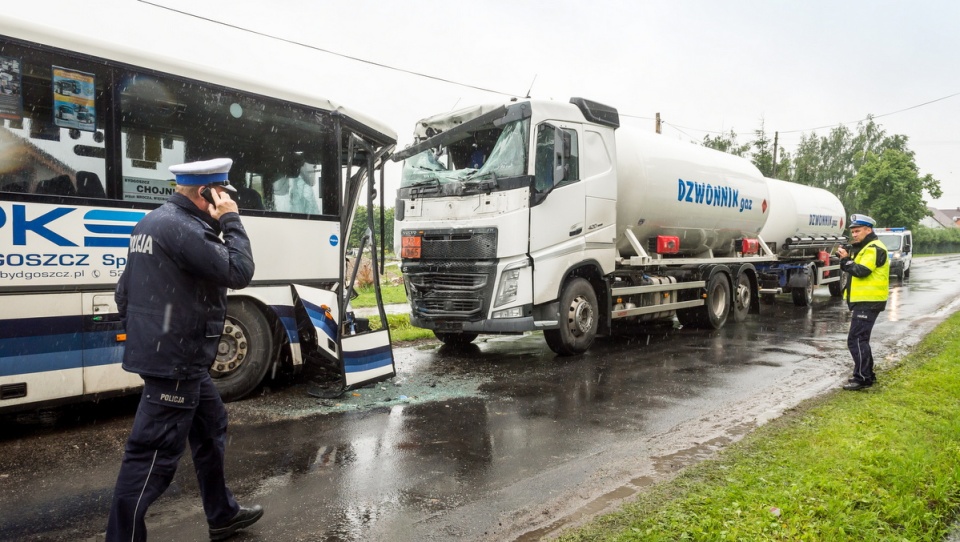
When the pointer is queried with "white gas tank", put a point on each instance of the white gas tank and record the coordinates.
(705, 197)
(800, 211)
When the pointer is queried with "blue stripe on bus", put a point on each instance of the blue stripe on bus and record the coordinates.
(122, 229)
(40, 362)
(320, 320)
(44, 326)
(116, 216)
(365, 360)
(40, 344)
(288, 318)
(112, 242)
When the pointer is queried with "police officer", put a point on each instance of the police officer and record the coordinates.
(172, 298)
(867, 292)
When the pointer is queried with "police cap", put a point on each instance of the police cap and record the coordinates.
(206, 172)
(862, 220)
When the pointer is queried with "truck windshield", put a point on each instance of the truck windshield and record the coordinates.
(474, 162)
(892, 242)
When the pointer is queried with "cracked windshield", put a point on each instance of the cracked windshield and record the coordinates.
(475, 161)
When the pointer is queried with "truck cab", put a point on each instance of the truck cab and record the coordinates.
(899, 243)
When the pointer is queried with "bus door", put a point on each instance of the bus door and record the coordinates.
(103, 346)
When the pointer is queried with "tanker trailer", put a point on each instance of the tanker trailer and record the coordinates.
(804, 229)
(531, 215)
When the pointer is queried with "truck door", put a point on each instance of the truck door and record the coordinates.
(557, 208)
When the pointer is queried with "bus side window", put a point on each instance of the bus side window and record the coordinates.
(53, 126)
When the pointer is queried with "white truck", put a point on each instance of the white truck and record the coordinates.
(541, 215)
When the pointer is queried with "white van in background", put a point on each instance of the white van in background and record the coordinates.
(899, 243)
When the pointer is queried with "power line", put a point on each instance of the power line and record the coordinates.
(502, 93)
(874, 116)
(328, 51)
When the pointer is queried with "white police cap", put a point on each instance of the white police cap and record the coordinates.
(205, 172)
(862, 220)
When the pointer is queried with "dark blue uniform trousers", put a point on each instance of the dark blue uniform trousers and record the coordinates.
(171, 412)
(858, 341)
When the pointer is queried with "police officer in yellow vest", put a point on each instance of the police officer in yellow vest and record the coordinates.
(867, 291)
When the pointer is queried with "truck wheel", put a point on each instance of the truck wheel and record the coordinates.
(245, 350)
(803, 297)
(578, 320)
(742, 298)
(716, 307)
(455, 339)
(837, 288)
(906, 273)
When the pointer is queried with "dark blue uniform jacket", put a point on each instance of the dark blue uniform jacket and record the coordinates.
(172, 296)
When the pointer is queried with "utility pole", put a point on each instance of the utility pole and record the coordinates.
(776, 137)
(658, 123)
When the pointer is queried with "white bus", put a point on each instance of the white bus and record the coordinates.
(88, 133)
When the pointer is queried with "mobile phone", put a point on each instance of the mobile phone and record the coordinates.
(205, 193)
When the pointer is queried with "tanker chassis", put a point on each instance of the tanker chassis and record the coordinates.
(541, 215)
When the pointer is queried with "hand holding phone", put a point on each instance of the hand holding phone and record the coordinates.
(207, 194)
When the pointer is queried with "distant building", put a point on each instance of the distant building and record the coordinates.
(942, 218)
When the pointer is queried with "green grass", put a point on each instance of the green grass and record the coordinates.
(391, 294)
(878, 465)
(400, 328)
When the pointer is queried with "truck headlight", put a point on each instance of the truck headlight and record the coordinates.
(509, 283)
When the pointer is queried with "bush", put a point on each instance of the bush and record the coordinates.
(936, 240)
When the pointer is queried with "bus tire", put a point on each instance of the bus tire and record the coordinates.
(579, 318)
(245, 350)
(455, 339)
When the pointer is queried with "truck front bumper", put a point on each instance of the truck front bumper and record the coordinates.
(498, 325)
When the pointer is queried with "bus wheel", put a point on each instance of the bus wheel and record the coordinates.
(455, 339)
(803, 297)
(244, 352)
(578, 320)
(742, 298)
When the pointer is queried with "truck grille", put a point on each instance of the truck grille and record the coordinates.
(448, 244)
(450, 290)
(448, 282)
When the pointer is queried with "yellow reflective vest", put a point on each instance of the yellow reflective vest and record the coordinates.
(875, 286)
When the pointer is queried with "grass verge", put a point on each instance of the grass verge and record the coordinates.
(878, 465)
(400, 328)
(391, 294)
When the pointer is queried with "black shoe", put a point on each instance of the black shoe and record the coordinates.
(244, 518)
(857, 385)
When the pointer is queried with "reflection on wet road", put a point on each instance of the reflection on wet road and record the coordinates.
(502, 441)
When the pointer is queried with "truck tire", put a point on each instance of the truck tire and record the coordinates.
(837, 288)
(716, 307)
(742, 297)
(245, 350)
(455, 339)
(579, 318)
(803, 297)
(906, 273)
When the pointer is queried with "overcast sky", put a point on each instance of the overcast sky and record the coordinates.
(706, 66)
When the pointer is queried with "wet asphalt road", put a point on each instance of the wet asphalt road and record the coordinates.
(501, 442)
